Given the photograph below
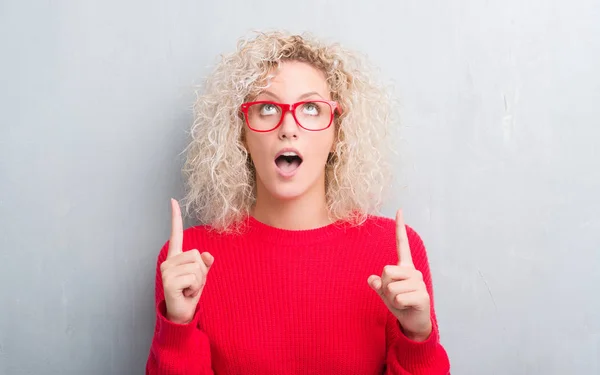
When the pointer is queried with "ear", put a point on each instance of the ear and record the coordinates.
(334, 144)
(244, 140)
(331, 152)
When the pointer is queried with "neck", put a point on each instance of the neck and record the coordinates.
(308, 211)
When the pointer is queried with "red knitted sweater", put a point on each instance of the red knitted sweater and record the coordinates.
(294, 302)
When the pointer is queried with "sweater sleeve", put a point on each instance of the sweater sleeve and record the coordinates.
(176, 348)
(408, 357)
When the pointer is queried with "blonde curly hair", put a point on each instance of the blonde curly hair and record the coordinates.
(220, 179)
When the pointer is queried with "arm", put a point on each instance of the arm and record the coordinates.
(404, 355)
(176, 348)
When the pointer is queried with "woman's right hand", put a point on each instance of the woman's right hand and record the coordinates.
(183, 273)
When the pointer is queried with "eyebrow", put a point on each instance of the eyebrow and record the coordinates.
(301, 97)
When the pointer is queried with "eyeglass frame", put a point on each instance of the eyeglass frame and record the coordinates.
(285, 107)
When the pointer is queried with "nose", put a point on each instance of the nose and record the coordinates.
(288, 128)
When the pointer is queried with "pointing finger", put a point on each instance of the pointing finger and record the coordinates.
(402, 246)
(176, 240)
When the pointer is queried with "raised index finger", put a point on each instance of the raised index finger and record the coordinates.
(402, 246)
(176, 240)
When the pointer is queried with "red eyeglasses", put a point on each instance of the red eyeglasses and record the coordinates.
(314, 115)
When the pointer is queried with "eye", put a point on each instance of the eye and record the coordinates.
(268, 109)
(311, 109)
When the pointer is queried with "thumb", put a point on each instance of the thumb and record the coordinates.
(375, 283)
(208, 259)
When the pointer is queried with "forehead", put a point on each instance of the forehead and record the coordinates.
(294, 78)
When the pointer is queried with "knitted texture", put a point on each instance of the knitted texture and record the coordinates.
(294, 302)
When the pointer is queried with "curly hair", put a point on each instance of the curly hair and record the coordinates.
(221, 180)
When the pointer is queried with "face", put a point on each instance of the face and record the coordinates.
(287, 176)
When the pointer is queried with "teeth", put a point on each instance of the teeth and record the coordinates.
(289, 154)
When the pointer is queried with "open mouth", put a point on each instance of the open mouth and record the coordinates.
(288, 162)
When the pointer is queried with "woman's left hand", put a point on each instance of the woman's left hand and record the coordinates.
(403, 291)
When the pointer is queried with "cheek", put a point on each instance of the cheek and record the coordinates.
(257, 146)
(324, 145)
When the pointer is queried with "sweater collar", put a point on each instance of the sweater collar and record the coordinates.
(266, 233)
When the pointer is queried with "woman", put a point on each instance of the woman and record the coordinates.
(285, 169)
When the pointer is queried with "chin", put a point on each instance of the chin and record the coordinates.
(286, 191)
